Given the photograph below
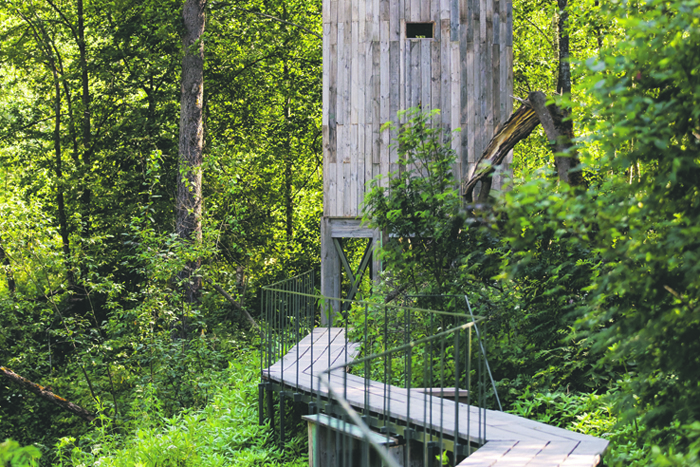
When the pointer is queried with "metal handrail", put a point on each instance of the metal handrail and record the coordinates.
(290, 311)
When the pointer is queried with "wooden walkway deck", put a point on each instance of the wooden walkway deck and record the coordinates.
(509, 440)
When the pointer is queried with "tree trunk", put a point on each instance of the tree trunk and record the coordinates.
(86, 123)
(46, 394)
(515, 129)
(58, 170)
(189, 182)
(562, 117)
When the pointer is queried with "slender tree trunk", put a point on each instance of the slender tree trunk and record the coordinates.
(58, 169)
(86, 123)
(288, 194)
(189, 182)
(288, 185)
(562, 116)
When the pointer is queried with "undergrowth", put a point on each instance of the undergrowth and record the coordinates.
(225, 432)
(593, 414)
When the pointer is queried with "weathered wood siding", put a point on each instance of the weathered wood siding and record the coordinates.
(370, 71)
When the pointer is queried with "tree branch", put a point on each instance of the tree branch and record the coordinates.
(233, 302)
(46, 394)
(218, 5)
(515, 129)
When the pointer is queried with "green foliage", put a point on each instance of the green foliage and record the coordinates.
(14, 455)
(225, 432)
(419, 207)
(624, 253)
(645, 298)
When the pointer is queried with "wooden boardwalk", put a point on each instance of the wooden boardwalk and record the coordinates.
(508, 441)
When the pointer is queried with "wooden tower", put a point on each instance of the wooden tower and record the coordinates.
(382, 56)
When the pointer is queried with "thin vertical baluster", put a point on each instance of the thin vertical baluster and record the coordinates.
(484, 386)
(430, 381)
(442, 390)
(409, 376)
(457, 403)
(312, 358)
(481, 402)
(386, 344)
(388, 403)
(281, 348)
(425, 398)
(328, 349)
(367, 364)
(469, 390)
(297, 304)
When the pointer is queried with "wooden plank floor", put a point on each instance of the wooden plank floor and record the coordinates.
(508, 440)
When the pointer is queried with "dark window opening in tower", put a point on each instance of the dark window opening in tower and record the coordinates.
(419, 30)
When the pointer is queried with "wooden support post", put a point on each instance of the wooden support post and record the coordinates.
(334, 260)
(330, 271)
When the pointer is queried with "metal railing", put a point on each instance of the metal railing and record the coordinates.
(416, 393)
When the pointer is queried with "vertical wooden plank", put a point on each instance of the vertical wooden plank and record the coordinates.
(376, 108)
(384, 100)
(403, 67)
(496, 109)
(383, 10)
(361, 78)
(466, 98)
(354, 72)
(445, 10)
(487, 81)
(352, 170)
(445, 69)
(342, 100)
(435, 56)
(343, 160)
(425, 74)
(326, 171)
(455, 71)
(362, 19)
(395, 21)
(394, 59)
(330, 201)
(435, 70)
(465, 137)
(325, 104)
(375, 20)
(358, 188)
(414, 11)
(326, 11)
(325, 77)
(331, 172)
(478, 95)
(454, 20)
(508, 58)
(413, 77)
(425, 6)
(471, 75)
(434, 16)
(370, 99)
